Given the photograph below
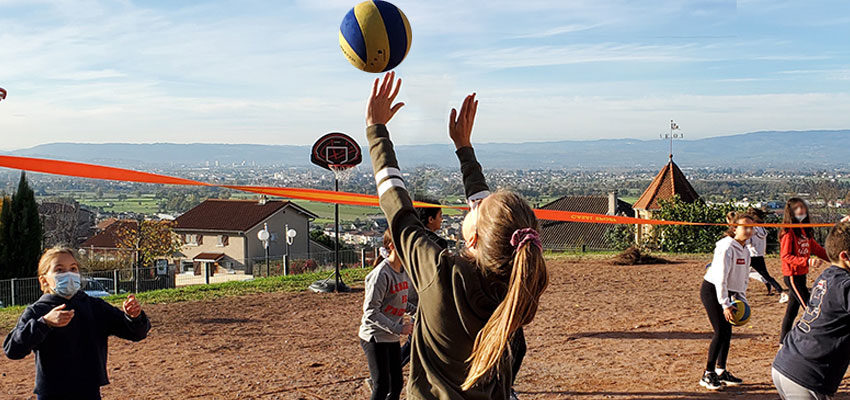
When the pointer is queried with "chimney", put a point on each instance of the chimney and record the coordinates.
(612, 203)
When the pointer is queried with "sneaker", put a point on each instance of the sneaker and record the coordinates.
(728, 379)
(513, 395)
(710, 381)
(783, 298)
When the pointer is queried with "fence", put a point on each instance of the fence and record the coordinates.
(24, 291)
(316, 261)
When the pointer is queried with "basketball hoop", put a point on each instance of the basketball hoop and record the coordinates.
(340, 154)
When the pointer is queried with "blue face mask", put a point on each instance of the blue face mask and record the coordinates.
(67, 284)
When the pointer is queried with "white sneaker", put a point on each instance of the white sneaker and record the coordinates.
(783, 298)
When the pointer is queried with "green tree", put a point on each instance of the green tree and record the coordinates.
(5, 218)
(22, 233)
(691, 239)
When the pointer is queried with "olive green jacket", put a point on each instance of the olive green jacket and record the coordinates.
(455, 299)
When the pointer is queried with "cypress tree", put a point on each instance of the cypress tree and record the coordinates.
(22, 233)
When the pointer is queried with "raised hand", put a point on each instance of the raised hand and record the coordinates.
(460, 124)
(58, 317)
(132, 307)
(380, 108)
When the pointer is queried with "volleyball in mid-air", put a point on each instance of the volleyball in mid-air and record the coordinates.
(742, 313)
(375, 36)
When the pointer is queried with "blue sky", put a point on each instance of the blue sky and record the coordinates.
(271, 72)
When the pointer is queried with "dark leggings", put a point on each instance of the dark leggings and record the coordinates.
(518, 349)
(93, 395)
(385, 368)
(799, 295)
(758, 264)
(718, 351)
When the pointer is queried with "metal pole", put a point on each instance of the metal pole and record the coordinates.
(363, 258)
(336, 245)
(268, 268)
(12, 282)
(114, 281)
(286, 256)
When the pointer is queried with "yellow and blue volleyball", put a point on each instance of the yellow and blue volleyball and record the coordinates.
(742, 313)
(375, 36)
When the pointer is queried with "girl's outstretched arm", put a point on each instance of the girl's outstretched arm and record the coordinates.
(420, 255)
(460, 131)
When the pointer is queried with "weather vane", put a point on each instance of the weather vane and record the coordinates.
(672, 135)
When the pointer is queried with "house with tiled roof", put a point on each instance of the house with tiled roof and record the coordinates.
(104, 246)
(223, 233)
(669, 182)
(560, 235)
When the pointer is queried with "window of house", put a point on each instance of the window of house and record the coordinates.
(192, 240)
(223, 240)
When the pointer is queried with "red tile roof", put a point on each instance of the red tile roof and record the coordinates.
(669, 181)
(231, 215)
(108, 237)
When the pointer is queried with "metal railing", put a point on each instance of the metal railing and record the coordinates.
(23, 291)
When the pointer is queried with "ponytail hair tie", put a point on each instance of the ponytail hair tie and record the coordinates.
(384, 252)
(524, 236)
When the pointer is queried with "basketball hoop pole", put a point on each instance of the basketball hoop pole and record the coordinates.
(336, 245)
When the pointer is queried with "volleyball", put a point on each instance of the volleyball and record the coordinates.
(375, 36)
(742, 313)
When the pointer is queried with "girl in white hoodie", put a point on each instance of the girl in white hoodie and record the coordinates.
(725, 281)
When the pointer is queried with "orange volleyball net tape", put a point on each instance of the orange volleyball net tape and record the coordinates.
(92, 171)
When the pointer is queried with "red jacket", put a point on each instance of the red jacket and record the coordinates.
(795, 252)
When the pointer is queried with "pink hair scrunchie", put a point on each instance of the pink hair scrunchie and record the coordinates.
(524, 236)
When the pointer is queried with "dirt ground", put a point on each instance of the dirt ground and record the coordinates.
(602, 332)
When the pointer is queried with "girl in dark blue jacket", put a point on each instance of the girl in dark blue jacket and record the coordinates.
(68, 331)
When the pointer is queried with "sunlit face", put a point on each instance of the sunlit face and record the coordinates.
(744, 233)
(470, 225)
(393, 256)
(61, 263)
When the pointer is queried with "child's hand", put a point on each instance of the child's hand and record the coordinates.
(57, 317)
(729, 313)
(407, 329)
(460, 126)
(846, 219)
(132, 307)
(815, 263)
(380, 108)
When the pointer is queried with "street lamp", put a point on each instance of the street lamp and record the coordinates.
(290, 237)
(264, 236)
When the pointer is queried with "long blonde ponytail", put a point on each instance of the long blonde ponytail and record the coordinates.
(527, 280)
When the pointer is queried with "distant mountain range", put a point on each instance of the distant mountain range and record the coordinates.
(788, 149)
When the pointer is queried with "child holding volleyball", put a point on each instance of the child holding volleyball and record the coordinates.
(796, 247)
(724, 282)
(68, 331)
(470, 305)
(388, 297)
